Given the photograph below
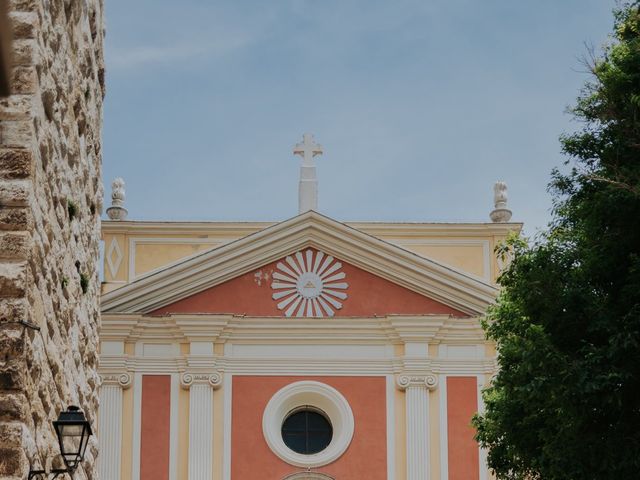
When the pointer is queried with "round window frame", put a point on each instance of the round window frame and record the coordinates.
(313, 394)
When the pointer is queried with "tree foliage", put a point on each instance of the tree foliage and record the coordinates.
(566, 401)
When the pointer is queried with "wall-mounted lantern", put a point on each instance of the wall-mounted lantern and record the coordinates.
(73, 431)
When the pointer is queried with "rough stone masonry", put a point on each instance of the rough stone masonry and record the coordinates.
(50, 204)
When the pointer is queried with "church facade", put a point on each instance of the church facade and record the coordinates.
(306, 349)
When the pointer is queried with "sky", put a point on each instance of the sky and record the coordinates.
(420, 105)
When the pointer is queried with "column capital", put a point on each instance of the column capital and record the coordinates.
(425, 380)
(122, 379)
(214, 379)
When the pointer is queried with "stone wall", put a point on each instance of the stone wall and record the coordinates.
(50, 204)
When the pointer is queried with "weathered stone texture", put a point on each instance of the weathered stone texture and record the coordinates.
(50, 202)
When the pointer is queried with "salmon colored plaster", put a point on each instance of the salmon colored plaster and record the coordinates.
(366, 456)
(250, 294)
(154, 440)
(462, 404)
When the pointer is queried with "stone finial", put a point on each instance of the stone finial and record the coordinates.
(117, 211)
(308, 186)
(500, 213)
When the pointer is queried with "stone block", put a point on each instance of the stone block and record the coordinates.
(13, 310)
(23, 5)
(24, 80)
(11, 341)
(15, 218)
(15, 193)
(16, 134)
(12, 463)
(12, 280)
(15, 163)
(13, 407)
(12, 378)
(16, 107)
(23, 52)
(15, 246)
(25, 24)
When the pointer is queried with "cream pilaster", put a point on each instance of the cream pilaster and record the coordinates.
(110, 424)
(200, 386)
(417, 417)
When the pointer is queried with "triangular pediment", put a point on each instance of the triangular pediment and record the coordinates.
(309, 232)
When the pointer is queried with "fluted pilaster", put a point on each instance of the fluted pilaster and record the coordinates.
(417, 417)
(201, 422)
(110, 424)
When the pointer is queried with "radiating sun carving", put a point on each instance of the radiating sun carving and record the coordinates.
(308, 285)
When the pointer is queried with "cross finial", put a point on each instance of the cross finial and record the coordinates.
(307, 149)
(308, 187)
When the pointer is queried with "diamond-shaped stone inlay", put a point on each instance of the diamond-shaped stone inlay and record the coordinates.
(114, 257)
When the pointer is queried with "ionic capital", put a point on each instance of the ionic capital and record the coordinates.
(123, 380)
(424, 380)
(213, 379)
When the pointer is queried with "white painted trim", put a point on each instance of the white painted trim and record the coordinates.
(322, 396)
(137, 425)
(228, 398)
(484, 469)
(391, 427)
(304, 366)
(444, 440)
(135, 241)
(110, 431)
(173, 428)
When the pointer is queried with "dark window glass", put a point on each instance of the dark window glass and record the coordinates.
(307, 431)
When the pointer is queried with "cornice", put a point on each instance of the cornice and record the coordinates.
(414, 272)
(383, 229)
(395, 329)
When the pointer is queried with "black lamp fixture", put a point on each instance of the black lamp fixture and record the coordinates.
(73, 432)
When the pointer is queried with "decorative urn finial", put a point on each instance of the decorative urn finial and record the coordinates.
(500, 213)
(117, 211)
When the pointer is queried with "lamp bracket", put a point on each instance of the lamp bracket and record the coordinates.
(44, 475)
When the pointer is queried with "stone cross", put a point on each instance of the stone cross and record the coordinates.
(308, 186)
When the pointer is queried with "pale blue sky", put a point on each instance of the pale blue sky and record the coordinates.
(420, 105)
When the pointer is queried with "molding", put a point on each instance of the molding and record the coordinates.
(188, 379)
(316, 394)
(387, 229)
(378, 257)
(308, 476)
(395, 329)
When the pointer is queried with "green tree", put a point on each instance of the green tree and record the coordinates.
(566, 401)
